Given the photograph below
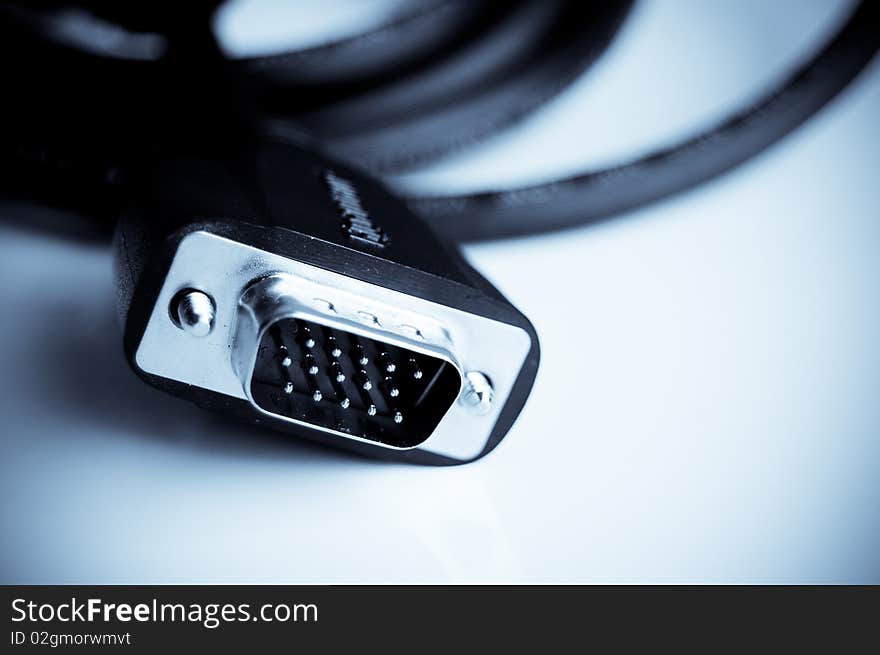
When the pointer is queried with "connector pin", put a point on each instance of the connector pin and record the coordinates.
(332, 346)
(386, 363)
(284, 357)
(363, 380)
(310, 365)
(360, 355)
(390, 388)
(336, 381)
(336, 372)
(304, 335)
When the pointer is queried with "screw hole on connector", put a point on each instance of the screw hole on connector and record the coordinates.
(192, 300)
(173, 305)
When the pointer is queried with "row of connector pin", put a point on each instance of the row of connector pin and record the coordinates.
(384, 363)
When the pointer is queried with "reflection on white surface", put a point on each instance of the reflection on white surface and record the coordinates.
(706, 411)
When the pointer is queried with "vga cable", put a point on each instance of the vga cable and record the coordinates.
(264, 270)
(292, 292)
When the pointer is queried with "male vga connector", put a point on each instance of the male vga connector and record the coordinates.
(292, 292)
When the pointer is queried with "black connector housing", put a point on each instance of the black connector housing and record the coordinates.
(290, 204)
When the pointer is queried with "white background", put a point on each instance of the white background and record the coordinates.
(706, 408)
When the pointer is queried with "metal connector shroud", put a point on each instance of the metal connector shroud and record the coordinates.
(255, 291)
(305, 362)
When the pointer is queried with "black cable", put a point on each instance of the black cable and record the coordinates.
(507, 61)
(591, 197)
(78, 126)
(83, 124)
